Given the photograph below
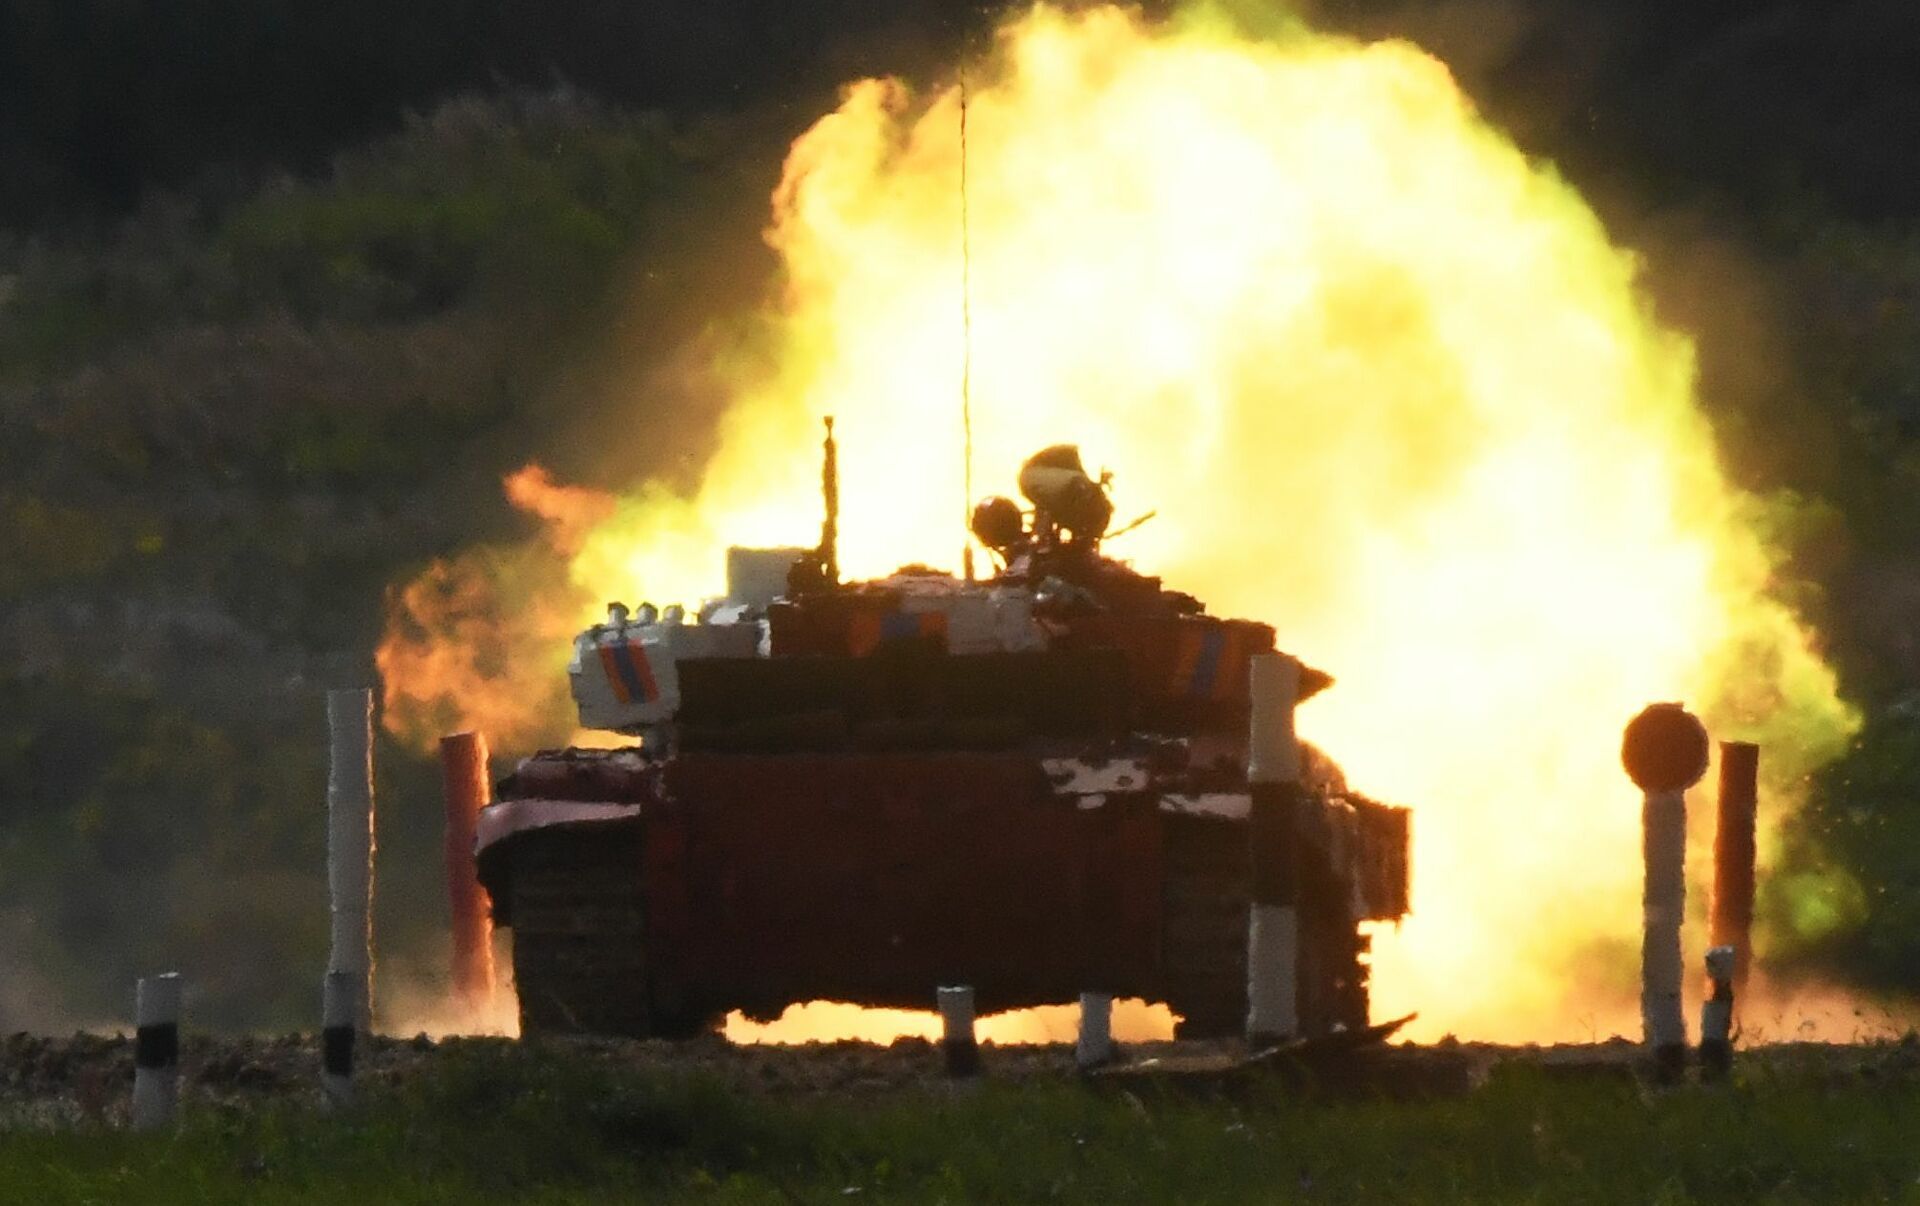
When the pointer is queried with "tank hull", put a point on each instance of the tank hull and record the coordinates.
(713, 882)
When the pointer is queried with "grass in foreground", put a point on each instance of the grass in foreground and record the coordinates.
(524, 1124)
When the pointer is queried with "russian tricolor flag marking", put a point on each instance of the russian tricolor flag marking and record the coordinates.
(629, 672)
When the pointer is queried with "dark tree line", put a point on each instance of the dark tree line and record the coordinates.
(100, 99)
(103, 99)
(1750, 99)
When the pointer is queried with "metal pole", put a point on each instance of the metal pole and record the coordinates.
(956, 1032)
(156, 1051)
(350, 842)
(463, 764)
(1664, 899)
(1095, 1044)
(1733, 856)
(339, 1009)
(1716, 1015)
(1273, 917)
(1664, 752)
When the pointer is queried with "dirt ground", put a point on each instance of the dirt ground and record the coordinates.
(85, 1078)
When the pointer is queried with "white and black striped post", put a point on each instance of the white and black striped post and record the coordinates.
(350, 843)
(1273, 917)
(156, 1051)
(1716, 1015)
(957, 1043)
(1664, 752)
(339, 1014)
(1094, 1046)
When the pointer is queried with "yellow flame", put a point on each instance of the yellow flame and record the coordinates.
(481, 640)
(1133, 1021)
(1388, 384)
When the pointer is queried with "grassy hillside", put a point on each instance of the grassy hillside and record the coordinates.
(230, 422)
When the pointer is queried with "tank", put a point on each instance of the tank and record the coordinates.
(1033, 783)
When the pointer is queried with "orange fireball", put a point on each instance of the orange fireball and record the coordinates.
(1389, 385)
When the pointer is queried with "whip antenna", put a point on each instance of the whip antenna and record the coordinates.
(966, 341)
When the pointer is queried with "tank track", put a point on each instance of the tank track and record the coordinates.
(580, 943)
(1204, 937)
(1204, 925)
(579, 933)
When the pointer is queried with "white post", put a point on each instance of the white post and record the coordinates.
(156, 1051)
(1716, 1014)
(350, 842)
(1095, 1045)
(956, 1031)
(1273, 751)
(339, 1014)
(1664, 752)
(1665, 901)
(1273, 920)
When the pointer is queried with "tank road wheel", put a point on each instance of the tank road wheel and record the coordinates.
(579, 954)
(1204, 926)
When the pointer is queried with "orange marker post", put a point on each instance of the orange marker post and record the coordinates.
(463, 765)
(1733, 856)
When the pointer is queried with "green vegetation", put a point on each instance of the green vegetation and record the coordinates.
(108, 98)
(499, 1124)
(227, 426)
(1861, 872)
